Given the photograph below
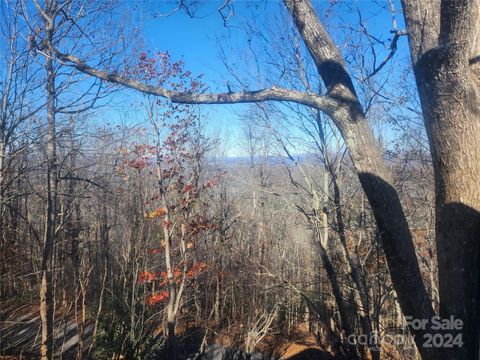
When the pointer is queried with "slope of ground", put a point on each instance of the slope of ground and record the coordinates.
(20, 332)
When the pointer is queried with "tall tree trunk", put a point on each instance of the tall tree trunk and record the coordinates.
(354, 272)
(4, 286)
(321, 230)
(170, 345)
(46, 286)
(447, 71)
(340, 301)
(216, 305)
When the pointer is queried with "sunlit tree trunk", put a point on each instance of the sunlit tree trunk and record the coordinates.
(46, 286)
(447, 69)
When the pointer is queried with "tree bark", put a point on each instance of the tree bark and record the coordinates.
(447, 71)
(340, 301)
(46, 287)
(354, 271)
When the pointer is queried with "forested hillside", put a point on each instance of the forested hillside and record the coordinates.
(333, 213)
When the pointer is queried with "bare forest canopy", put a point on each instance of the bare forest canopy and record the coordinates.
(334, 214)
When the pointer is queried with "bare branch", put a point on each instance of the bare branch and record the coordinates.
(393, 50)
(323, 103)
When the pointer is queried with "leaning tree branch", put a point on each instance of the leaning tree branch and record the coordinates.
(274, 93)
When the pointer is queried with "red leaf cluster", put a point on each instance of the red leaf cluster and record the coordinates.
(187, 188)
(155, 251)
(196, 269)
(157, 297)
(159, 212)
(146, 276)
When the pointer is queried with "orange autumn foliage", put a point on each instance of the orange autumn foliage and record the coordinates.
(157, 297)
(156, 213)
(146, 276)
(155, 251)
(195, 270)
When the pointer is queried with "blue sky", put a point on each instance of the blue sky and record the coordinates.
(196, 41)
